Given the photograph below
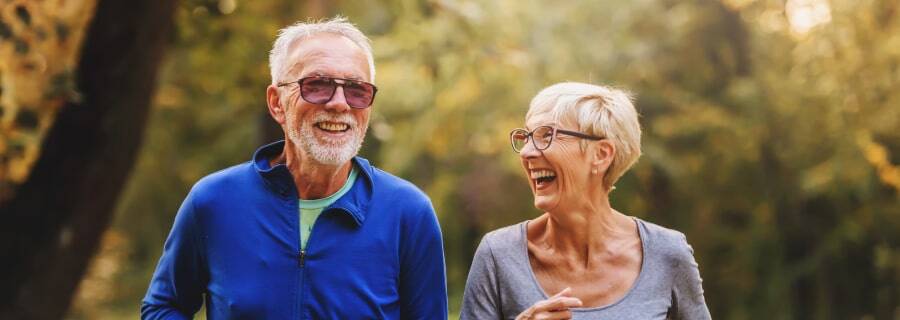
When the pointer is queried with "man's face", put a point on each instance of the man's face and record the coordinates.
(329, 133)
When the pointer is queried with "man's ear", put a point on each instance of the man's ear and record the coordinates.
(276, 108)
(604, 151)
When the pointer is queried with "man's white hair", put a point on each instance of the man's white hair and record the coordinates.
(599, 111)
(290, 35)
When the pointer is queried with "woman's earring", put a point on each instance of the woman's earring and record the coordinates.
(599, 162)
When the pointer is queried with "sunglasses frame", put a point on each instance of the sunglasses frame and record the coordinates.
(529, 135)
(335, 82)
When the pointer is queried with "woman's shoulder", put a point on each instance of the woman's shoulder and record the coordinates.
(667, 243)
(505, 238)
(504, 252)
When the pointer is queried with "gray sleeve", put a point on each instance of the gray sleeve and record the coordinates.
(481, 299)
(687, 291)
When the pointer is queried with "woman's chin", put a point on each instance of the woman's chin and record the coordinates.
(545, 203)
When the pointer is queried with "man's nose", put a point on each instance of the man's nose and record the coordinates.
(338, 102)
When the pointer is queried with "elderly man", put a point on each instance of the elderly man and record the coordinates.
(306, 230)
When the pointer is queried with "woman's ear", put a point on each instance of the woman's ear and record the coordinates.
(276, 108)
(603, 154)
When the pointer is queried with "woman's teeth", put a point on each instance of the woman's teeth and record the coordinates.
(542, 176)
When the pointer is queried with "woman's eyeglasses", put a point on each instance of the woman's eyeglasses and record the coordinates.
(541, 137)
(320, 90)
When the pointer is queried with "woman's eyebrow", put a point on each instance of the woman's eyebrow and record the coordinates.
(550, 124)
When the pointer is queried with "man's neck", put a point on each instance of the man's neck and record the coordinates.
(313, 180)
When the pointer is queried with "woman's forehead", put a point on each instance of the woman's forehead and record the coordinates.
(547, 117)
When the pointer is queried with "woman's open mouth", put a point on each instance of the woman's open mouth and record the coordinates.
(543, 177)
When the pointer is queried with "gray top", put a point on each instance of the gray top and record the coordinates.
(501, 283)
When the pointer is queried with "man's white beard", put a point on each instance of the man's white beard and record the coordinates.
(323, 149)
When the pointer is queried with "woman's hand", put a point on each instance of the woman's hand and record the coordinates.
(555, 307)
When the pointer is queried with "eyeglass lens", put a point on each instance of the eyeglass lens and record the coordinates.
(541, 137)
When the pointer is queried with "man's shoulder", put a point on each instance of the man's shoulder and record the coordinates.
(386, 182)
(233, 178)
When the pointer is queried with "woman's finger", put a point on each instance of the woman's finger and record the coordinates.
(561, 300)
(558, 303)
(555, 307)
(567, 292)
(554, 315)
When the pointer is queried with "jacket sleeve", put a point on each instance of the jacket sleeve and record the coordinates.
(423, 283)
(687, 292)
(176, 289)
(482, 295)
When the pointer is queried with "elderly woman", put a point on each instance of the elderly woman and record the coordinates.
(581, 259)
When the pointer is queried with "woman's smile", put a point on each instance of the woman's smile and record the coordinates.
(542, 178)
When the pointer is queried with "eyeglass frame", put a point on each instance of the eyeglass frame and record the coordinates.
(342, 84)
(530, 136)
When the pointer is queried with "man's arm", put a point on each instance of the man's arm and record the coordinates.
(423, 283)
(176, 290)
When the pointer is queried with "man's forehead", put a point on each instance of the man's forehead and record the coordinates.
(327, 54)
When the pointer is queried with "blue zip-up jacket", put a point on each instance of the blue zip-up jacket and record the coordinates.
(376, 253)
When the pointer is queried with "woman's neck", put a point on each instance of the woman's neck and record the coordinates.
(582, 233)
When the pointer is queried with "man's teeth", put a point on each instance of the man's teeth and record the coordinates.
(333, 126)
(542, 174)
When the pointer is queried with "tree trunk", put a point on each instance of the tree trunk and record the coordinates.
(53, 224)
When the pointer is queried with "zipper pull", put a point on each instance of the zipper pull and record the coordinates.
(302, 257)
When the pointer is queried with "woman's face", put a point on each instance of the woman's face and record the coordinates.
(559, 176)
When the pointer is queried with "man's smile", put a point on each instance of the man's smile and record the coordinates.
(332, 127)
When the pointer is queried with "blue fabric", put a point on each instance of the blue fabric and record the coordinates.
(311, 209)
(377, 252)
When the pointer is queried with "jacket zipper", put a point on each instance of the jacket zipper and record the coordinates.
(300, 262)
(302, 257)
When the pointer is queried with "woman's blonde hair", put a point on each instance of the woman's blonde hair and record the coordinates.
(597, 110)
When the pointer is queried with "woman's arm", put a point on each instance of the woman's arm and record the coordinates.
(482, 295)
(687, 290)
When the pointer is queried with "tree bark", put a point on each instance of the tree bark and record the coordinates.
(53, 224)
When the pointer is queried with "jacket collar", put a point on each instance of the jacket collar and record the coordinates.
(280, 181)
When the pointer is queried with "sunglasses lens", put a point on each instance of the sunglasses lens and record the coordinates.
(518, 138)
(320, 90)
(358, 94)
(317, 90)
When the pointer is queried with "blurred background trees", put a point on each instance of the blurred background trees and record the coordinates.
(76, 80)
(770, 132)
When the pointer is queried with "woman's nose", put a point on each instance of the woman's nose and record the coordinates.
(529, 151)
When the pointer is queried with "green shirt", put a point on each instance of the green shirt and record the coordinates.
(311, 209)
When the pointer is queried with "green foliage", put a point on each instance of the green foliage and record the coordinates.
(773, 147)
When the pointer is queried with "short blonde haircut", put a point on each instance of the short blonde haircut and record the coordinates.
(290, 35)
(597, 110)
